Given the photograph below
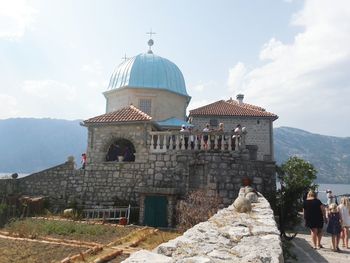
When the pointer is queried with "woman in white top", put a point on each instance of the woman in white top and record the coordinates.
(344, 209)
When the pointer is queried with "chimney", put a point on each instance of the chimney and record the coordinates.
(240, 98)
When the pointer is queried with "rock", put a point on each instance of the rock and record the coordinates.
(242, 205)
(147, 256)
(68, 212)
(252, 197)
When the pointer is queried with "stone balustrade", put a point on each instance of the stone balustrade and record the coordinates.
(228, 236)
(163, 141)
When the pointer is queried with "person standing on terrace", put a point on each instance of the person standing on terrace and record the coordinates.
(206, 136)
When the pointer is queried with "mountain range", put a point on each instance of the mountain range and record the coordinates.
(28, 145)
(330, 155)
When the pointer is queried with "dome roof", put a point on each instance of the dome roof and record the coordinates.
(148, 71)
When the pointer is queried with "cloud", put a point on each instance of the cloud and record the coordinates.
(94, 68)
(16, 16)
(199, 87)
(49, 90)
(236, 77)
(306, 82)
(8, 106)
(51, 98)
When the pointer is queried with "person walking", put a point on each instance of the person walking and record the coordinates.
(330, 197)
(334, 226)
(314, 215)
(344, 210)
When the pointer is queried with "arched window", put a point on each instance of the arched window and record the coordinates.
(121, 150)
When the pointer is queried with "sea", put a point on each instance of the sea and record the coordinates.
(337, 189)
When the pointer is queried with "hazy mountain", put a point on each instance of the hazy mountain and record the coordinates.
(28, 145)
(330, 155)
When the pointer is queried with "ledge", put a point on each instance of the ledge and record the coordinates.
(228, 236)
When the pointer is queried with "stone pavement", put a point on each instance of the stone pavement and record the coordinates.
(305, 253)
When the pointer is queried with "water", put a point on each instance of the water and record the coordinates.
(337, 189)
(8, 175)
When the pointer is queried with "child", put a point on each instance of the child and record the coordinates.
(334, 226)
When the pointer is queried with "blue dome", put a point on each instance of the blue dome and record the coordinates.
(148, 71)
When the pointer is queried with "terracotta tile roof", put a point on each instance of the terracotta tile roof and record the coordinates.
(232, 108)
(127, 114)
(249, 106)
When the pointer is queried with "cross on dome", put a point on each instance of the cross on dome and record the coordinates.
(150, 41)
(125, 57)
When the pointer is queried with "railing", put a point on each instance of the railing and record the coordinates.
(190, 141)
(107, 213)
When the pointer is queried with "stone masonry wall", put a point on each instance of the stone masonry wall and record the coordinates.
(259, 131)
(100, 138)
(172, 174)
(228, 236)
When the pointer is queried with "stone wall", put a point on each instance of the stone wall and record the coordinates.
(101, 137)
(228, 236)
(259, 131)
(172, 174)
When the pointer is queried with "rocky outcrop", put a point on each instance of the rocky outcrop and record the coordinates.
(228, 236)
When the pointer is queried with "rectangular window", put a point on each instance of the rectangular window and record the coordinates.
(214, 122)
(145, 105)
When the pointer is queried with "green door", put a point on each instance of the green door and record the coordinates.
(156, 211)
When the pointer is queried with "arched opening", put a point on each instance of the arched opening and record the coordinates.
(121, 150)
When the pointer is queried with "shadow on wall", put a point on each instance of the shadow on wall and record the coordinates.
(121, 150)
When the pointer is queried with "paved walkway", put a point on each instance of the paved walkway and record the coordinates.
(305, 253)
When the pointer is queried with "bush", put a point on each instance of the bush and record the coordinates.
(196, 208)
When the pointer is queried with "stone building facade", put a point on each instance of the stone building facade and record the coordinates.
(134, 158)
(169, 175)
(258, 122)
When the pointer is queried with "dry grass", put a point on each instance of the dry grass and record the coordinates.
(34, 228)
(13, 251)
(129, 238)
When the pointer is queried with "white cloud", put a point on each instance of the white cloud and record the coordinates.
(16, 16)
(49, 90)
(307, 82)
(199, 87)
(8, 106)
(94, 68)
(236, 77)
(53, 99)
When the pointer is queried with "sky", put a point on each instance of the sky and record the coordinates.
(291, 57)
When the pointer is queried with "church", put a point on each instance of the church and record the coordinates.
(146, 152)
(139, 139)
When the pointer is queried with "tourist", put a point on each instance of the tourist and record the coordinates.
(221, 140)
(185, 134)
(314, 215)
(192, 137)
(83, 161)
(236, 138)
(205, 136)
(334, 226)
(344, 210)
(330, 197)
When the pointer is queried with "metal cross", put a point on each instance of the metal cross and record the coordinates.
(151, 33)
(125, 57)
